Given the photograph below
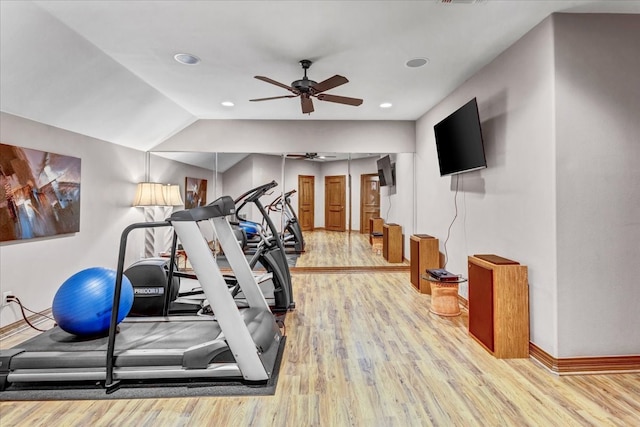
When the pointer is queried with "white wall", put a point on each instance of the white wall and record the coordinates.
(398, 204)
(237, 180)
(598, 183)
(507, 209)
(294, 136)
(559, 112)
(34, 269)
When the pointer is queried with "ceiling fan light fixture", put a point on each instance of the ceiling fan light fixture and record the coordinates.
(386, 105)
(416, 62)
(227, 104)
(186, 58)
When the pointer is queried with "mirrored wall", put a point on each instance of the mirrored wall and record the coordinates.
(329, 190)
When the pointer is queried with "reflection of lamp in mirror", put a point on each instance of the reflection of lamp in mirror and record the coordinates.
(148, 196)
(172, 195)
(172, 198)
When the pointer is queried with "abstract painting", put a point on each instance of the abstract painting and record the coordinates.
(39, 193)
(195, 192)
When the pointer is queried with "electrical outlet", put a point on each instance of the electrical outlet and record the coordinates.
(5, 297)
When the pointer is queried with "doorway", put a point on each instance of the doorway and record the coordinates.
(334, 202)
(306, 202)
(369, 200)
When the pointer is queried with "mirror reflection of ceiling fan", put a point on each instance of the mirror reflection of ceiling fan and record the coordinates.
(306, 89)
(309, 156)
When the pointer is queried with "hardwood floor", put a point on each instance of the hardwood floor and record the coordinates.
(363, 350)
(341, 249)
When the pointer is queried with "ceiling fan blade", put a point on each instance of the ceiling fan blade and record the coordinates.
(340, 99)
(274, 97)
(273, 82)
(330, 83)
(307, 104)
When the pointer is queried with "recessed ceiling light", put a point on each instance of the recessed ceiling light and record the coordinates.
(417, 62)
(186, 58)
(386, 105)
(227, 104)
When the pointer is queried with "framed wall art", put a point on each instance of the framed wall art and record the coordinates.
(39, 193)
(195, 192)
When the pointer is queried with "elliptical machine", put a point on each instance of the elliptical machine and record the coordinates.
(156, 281)
(292, 235)
(269, 251)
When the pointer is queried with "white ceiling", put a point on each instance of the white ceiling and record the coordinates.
(105, 68)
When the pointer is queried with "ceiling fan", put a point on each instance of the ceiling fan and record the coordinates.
(306, 88)
(309, 156)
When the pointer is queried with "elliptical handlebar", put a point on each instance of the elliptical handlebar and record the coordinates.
(258, 192)
(253, 195)
(275, 205)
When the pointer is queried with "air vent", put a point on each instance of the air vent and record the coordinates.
(461, 1)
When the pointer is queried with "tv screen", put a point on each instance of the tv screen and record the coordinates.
(459, 141)
(385, 172)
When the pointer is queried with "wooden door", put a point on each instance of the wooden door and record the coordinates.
(369, 200)
(306, 202)
(334, 202)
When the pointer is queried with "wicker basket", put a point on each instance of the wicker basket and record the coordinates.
(444, 299)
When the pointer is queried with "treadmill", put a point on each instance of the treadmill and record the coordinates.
(237, 344)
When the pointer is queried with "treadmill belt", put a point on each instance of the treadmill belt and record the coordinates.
(132, 336)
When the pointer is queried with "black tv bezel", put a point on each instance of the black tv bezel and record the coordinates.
(477, 143)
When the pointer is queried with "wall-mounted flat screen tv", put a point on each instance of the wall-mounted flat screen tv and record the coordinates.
(459, 141)
(385, 172)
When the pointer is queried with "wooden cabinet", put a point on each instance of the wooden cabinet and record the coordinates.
(499, 305)
(392, 242)
(425, 254)
(375, 228)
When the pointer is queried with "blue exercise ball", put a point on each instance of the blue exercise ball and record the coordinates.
(82, 305)
(252, 229)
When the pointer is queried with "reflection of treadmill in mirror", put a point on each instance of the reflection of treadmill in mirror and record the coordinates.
(292, 236)
(238, 344)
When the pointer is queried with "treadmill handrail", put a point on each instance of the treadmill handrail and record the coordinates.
(222, 206)
(110, 385)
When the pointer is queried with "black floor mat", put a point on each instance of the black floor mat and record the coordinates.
(144, 390)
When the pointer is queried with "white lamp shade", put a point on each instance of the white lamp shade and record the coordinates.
(172, 195)
(149, 194)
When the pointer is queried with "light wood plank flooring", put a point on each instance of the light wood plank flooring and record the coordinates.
(363, 350)
(340, 249)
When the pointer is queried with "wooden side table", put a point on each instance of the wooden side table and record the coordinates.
(425, 254)
(375, 228)
(392, 242)
(499, 305)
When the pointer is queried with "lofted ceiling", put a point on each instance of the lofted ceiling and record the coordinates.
(106, 69)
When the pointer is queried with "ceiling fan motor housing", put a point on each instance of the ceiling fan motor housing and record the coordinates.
(303, 85)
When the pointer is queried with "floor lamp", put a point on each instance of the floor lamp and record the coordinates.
(172, 199)
(148, 196)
